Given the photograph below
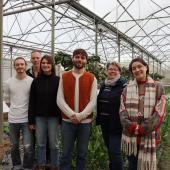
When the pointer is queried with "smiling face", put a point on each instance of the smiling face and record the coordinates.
(79, 61)
(46, 67)
(112, 71)
(139, 71)
(20, 65)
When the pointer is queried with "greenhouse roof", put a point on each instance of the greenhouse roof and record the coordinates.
(112, 29)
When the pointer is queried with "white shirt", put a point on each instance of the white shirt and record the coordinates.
(16, 92)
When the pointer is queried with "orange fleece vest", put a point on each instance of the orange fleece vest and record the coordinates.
(85, 86)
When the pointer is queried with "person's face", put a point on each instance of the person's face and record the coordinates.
(112, 71)
(46, 66)
(20, 66)
(139, 71)
(79, 61)
(35, 58)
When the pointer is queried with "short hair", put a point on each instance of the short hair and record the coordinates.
(35, 51)
(140, 60)
(80, 51)
(20, 58)
(50, 60)
(114, 64)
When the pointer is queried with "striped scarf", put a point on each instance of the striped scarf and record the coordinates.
(147, 148)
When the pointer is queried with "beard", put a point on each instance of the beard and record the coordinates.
(79, 65)
(20, 70)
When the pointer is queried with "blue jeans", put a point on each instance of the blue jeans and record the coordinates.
(113, 144)
(70, 133)
(48, 125)
(15, 129)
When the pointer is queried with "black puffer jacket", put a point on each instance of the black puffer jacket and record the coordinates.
(108, 104)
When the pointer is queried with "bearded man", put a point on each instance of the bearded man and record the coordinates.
(76, 99)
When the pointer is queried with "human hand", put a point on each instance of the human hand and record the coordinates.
(74, 119)
(31, 127)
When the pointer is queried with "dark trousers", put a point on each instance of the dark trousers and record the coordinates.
(113, 144)
(133, 162)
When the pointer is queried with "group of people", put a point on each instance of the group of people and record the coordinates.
(129, 114)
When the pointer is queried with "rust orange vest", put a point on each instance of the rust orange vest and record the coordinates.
(85, 86)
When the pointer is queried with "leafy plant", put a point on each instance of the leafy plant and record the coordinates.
(64, 59)
(97, 154)
(167, 90)
(156, 76)
(126, 73)
(96, 67)
(165, 128)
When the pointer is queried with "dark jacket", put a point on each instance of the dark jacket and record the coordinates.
(30, 73)
(42, 101)
(108, 104)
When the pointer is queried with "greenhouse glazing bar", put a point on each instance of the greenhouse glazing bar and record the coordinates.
(78, 7)
(1, 94)
(99, 20)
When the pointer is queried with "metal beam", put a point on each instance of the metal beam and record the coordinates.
(35, 7)
(118, 46)
(108, 26)
(94, 18)
(96, 40)
(53, 28)
(1, 73)
(24, 47)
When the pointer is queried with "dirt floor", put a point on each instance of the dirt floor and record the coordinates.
(4, 149)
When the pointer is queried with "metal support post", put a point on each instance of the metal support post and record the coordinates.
(53, 29)
(11, 65)
(1, 73)
(132, 52)
(96, 40)
(118, 46)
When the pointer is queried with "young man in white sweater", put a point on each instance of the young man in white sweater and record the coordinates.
(16, 95)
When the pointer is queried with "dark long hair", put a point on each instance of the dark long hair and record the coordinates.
(50, 61)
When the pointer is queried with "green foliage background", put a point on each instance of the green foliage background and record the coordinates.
(165, 128)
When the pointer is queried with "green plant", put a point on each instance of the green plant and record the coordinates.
(64, 59)
(97, 154)
(6, 127)
(167, 90)
(165, 128)
(126, 73)
(156, 76)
